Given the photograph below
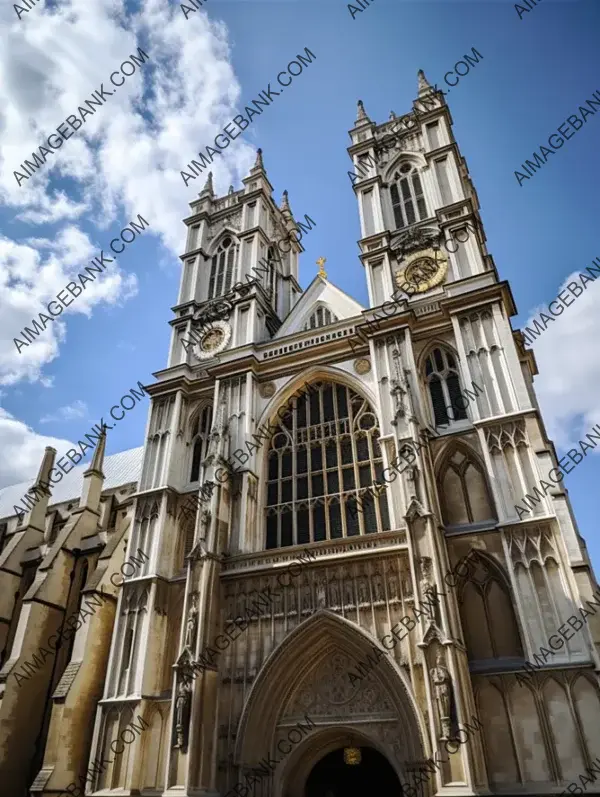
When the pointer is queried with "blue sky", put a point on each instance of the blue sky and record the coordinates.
(535, 72)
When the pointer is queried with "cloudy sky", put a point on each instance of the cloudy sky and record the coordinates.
(127, 158)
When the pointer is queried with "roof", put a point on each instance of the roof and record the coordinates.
(122, 468)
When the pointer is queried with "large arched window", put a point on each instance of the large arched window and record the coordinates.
(408, 201)
(222, 268)
(200, 440)
(464, 492)
(324, 456)
(443, 384)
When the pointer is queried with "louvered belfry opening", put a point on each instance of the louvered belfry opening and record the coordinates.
(324, 456)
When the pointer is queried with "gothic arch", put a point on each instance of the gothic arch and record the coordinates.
(442, 384)
(295, 769)
(197, 434)
(223, 232)
(404, 156)
(318, 486)
(307, 648)
(463, 486)
(223, 263)
(487, 610)
(315, 374)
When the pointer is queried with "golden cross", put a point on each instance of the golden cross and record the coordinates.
(320, 263)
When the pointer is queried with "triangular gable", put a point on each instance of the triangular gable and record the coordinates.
(320, 293)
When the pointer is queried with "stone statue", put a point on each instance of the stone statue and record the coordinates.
(363, 596)
(321, 593)
(182, 704)
(442, 690)
(426, 582)
(192, 623)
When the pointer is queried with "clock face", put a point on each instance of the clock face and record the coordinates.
(213, 340)
(422, 271)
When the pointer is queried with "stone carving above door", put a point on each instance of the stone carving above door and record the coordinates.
(327, 690)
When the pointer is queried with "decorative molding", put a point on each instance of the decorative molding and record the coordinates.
(362, 365)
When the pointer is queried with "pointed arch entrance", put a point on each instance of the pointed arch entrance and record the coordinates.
(307, 680)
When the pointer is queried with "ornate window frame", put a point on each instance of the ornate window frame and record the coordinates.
(342, 459)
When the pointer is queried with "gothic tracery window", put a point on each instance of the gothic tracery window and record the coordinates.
(408, 201)
(324, 456)
(222, 268)
(443, 383)
(199, 443)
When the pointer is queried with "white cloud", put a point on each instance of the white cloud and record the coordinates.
(31, 275)
(568, 385)
(22, 449)
(78, 409)
(124, 161)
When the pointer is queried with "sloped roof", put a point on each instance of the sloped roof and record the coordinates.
(122, 468)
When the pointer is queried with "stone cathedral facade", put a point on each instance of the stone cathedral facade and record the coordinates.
(344, 466)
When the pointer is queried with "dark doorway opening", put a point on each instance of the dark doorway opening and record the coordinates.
(331, 777)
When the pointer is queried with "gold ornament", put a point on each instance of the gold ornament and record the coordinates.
(422, 271)
(352, 756)
(320, 263)
(362, 366)
(212, 339)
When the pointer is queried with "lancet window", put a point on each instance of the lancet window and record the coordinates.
(322, 460)
(200, 440)
(222, 268)
(320, 318)
(408, 201)
(447, 403)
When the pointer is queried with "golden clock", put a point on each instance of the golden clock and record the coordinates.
(422, 271)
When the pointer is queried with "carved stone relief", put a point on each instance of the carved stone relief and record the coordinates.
(327, 691)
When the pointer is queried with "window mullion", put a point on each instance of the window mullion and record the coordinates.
(294, 476)
(446, 393)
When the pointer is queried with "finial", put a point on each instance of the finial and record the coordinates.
(361, 114)
(423, 83)
(208, 185)
(259, 160)
(230, 189)
(392, 115)
(320, 263)
(285, 203)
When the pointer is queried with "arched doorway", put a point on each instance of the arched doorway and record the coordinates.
(332, 777)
